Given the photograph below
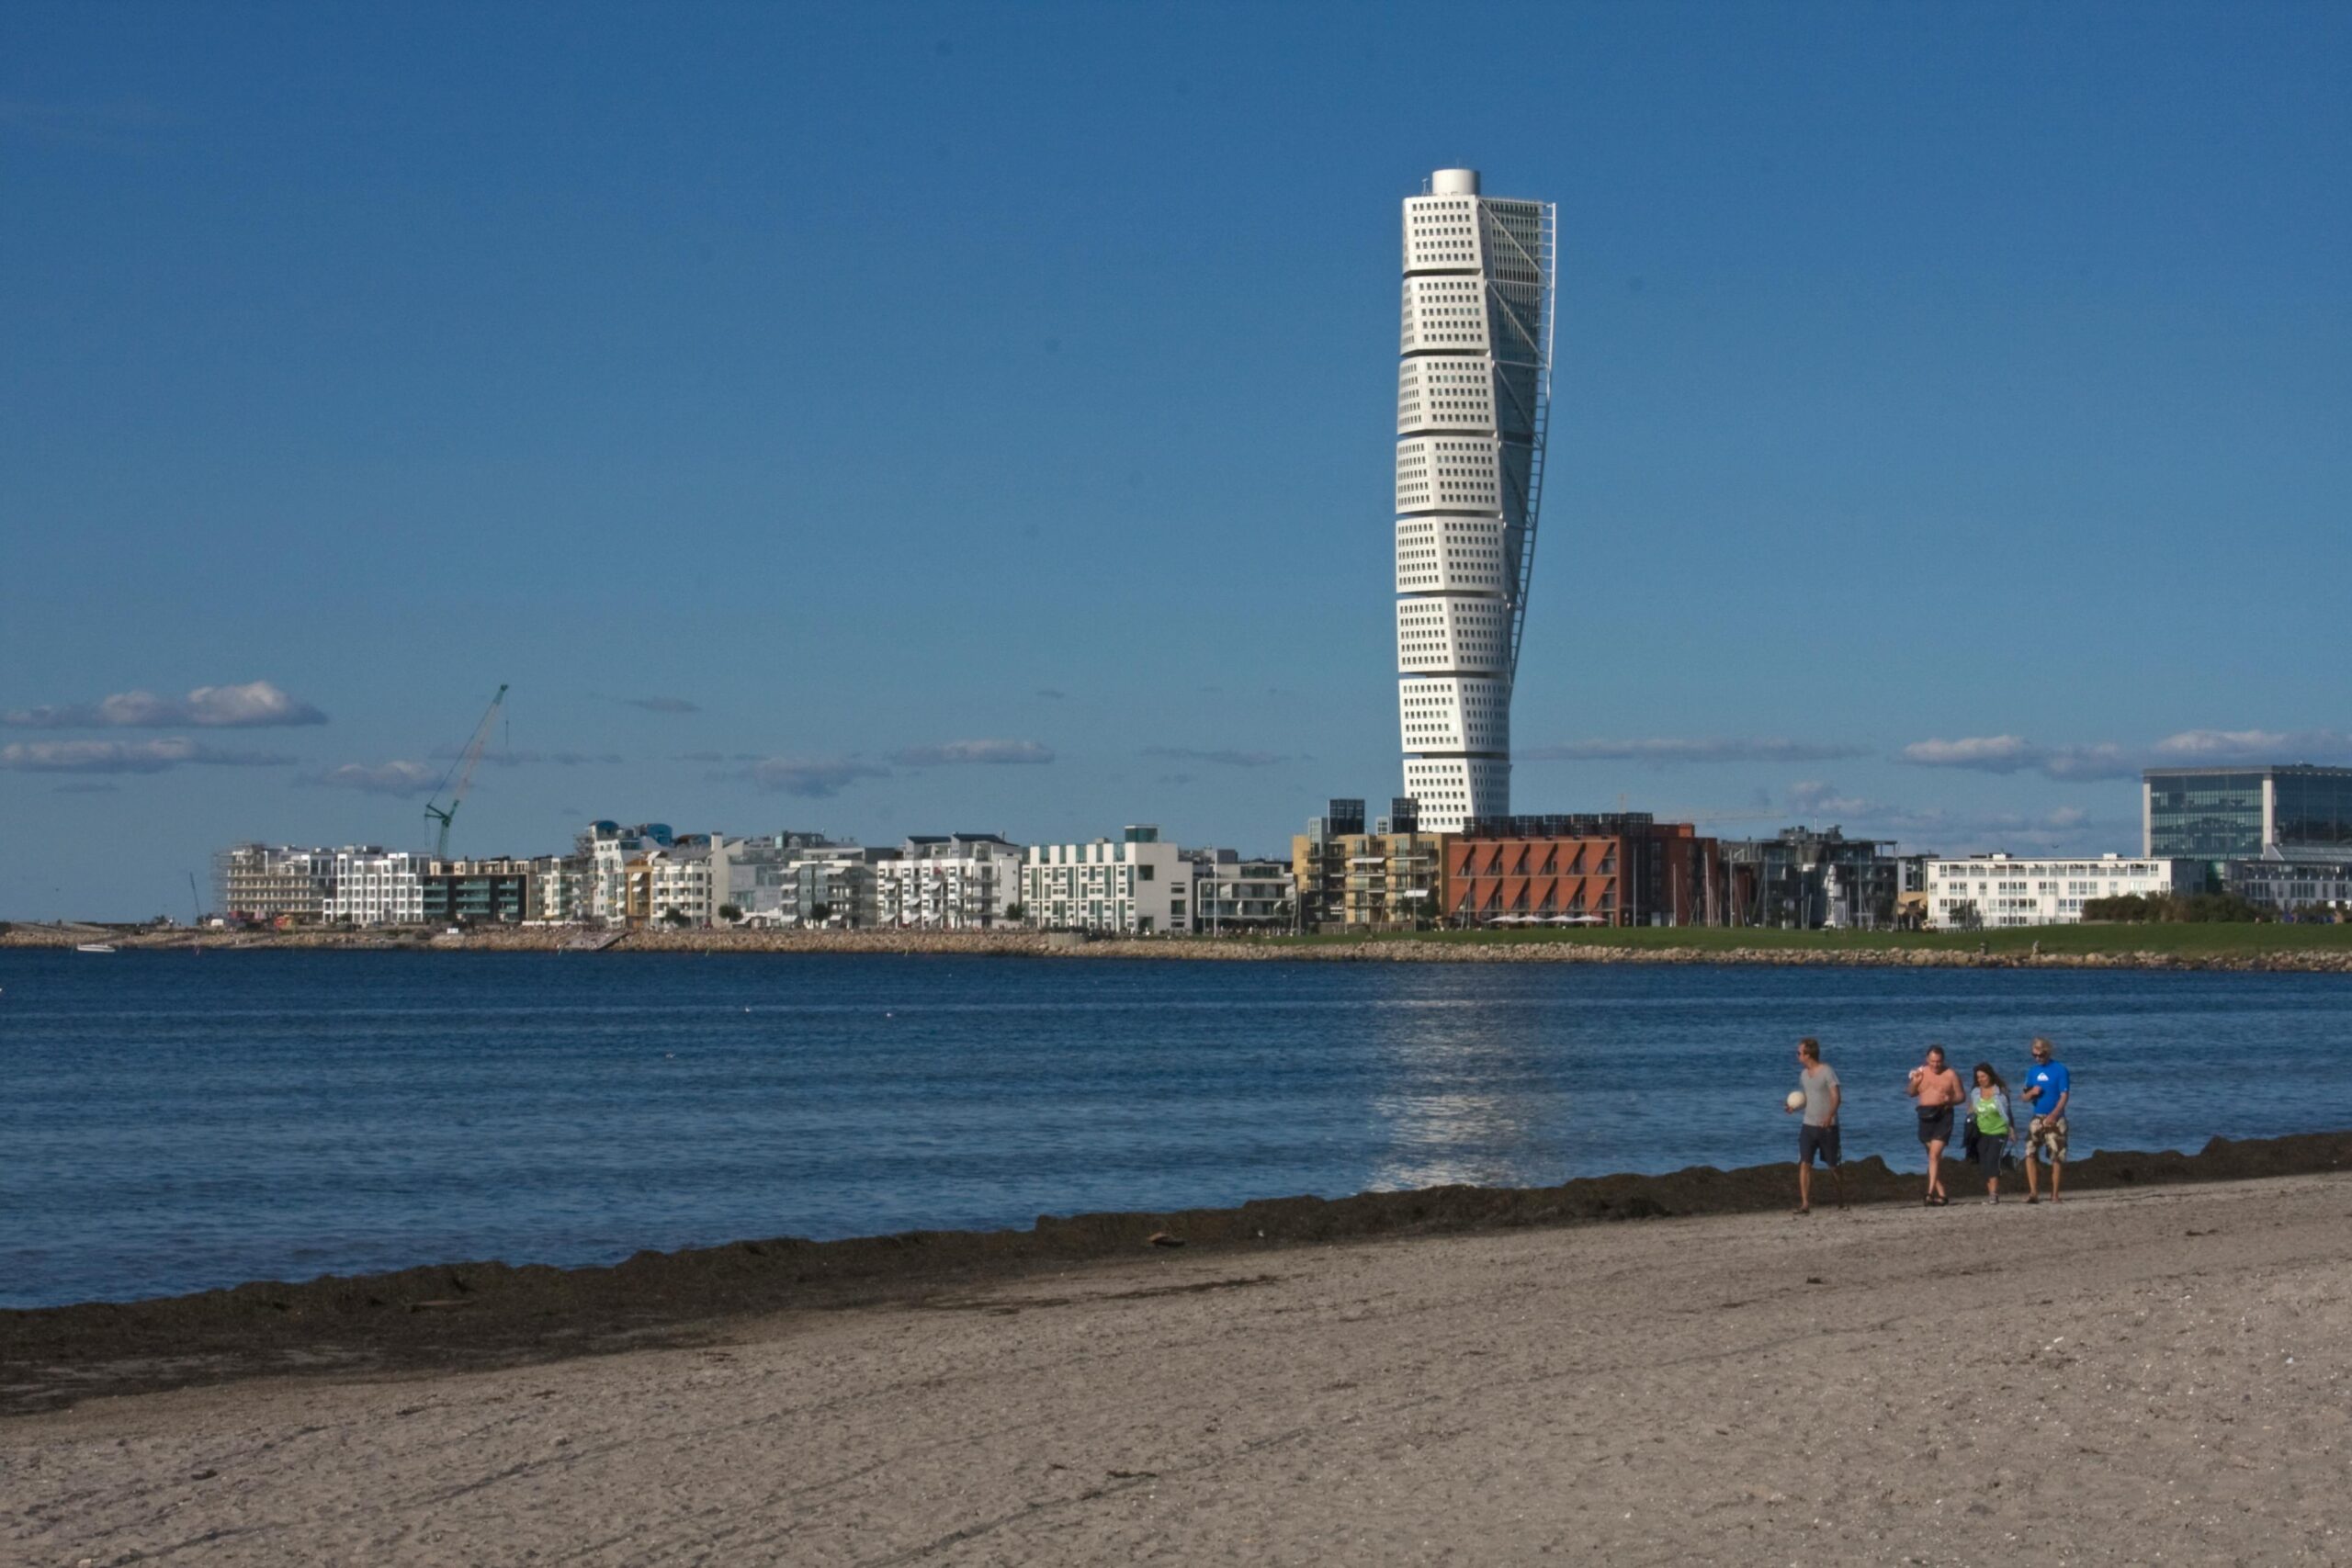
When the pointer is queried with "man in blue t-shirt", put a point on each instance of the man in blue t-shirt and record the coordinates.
(2048, 1087)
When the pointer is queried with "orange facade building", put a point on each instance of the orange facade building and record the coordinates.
(1620, 869)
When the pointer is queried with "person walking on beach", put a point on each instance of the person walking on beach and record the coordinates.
(2048, 1088)
(1937, 1089)
(1818, 1081)
(1990, 1127)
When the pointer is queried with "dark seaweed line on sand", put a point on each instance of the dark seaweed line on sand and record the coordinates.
(469, 1315)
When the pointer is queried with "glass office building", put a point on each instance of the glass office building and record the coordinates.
(2297, 812)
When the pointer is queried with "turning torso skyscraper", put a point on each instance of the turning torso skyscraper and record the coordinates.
(1474, 392)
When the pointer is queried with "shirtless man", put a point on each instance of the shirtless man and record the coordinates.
(1937, 1089)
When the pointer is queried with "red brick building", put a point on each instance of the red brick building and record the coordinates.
(1620, 869)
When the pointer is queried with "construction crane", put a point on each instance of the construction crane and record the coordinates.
(462, 770)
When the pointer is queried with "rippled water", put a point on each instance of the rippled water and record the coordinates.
(169, 1122)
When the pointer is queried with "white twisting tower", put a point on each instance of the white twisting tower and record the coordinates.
(1474, 396)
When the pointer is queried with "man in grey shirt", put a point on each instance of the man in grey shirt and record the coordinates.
(1818, 1081)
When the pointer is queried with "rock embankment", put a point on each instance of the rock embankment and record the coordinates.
(1043, 944)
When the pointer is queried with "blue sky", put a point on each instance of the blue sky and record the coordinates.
(901, 419)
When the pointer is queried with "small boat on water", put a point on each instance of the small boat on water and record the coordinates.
(95, 947)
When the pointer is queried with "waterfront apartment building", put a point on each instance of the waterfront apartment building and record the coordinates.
(480, 892)
(1352, 877)
(1804, 880)
(376, 886)
(608, 848)
(844, 887)
(2288, 812)
(1131, 885)
(1608, 869)
(1996, 890)
(1232, 892)
(561, 888)
(272, 884)
(668, 884)
(755, 880)
(949, 882)
(1474, 387)
(2291, 887)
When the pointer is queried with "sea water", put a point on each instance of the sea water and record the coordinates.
(173, 1121)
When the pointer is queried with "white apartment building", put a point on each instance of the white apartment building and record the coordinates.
(378, 887)
(608, 848)
(272, 882)
(953, 882)
(672, 881)
(559, 888)
(1474, 390)
(1133, 885)
(1231, 893)
(1985, 891)
(757, 877)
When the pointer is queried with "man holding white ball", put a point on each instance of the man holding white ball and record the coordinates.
(1817, 1095)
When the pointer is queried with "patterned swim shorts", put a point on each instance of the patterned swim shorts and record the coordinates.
(2046, 1136)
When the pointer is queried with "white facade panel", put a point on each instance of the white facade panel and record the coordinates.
(1465, 714)
(1442, 633)
(1444, 392)
(1453, 473)
(1447, 315)
(1452, 555)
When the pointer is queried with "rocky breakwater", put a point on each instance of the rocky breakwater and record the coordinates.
(1888, 953)
(1405, 950)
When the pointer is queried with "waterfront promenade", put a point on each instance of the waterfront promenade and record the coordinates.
(2131, 1377)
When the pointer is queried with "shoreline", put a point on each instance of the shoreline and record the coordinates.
(1884, 951)
(483, 1315)
(2145, 1377)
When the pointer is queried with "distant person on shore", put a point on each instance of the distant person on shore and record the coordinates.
(1937, 1089)
(1818, 1135)
(2048, 1087)
(1991, 1128)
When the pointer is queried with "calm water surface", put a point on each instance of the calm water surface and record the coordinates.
(170, 1123)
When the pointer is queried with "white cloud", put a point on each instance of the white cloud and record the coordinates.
(1224, 758)
(527, 759)
(1666, 752)
(396, 778)
(949, 753)
(2014, 753)
(1815, 797)
(811, 780)
(256, 704)
(1985, 753)
(2065, 827)
(2191, 747)
(126, 756)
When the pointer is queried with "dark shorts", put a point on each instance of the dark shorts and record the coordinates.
(1990, 1148)
(1812, 1140)
(1934, 1124)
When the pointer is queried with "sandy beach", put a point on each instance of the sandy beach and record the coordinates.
(2149, 1375)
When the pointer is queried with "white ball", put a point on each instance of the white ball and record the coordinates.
(1796, 1099)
